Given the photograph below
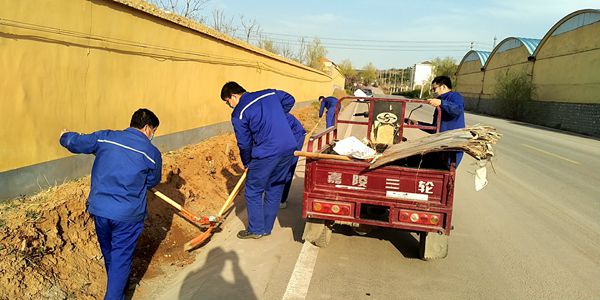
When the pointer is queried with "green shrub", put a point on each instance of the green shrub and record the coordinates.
(512, 90)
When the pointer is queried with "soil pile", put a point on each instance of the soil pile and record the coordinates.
(48, 243)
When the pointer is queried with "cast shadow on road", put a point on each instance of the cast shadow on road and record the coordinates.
(211, 281)
(404, 241)
(159, 217)
(291, 216)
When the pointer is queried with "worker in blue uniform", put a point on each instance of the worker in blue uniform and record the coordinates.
(331, 104)
(266, 144)
(125, 167)
(452, 105)
(299, 134)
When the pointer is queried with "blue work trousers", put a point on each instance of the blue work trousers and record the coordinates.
(330, 119)
(291, 170)
(117, 242)
(266, 176)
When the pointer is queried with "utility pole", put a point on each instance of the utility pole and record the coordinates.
(402, 80)
(494, 46)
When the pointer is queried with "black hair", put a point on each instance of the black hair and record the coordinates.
(443, 80)
(321, 97)
(231, 88)
(143, 117)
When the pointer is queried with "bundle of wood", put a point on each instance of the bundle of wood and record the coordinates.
(476, 141)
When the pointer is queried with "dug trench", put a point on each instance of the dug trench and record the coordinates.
(48, 243)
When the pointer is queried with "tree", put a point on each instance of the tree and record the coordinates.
(267, 45)
(222, 24)
(250, 27)
(315, 51)
(186, 8)
(346, 68)
(348, 71)
(445, 67)
(301, 55)
(287, 52)
(368, 74)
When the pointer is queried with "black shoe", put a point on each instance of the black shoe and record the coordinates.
(245, 234)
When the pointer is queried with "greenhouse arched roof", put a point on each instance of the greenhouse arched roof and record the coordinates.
(572, 21)
(515, 42)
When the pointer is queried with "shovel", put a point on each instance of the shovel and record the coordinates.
(186, 214)
(199, 240)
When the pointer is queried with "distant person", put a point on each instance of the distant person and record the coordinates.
(330, 103)
(299, 134)
(125, 167)
(266, 145)
(452, 105)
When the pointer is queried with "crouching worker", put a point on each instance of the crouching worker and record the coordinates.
(299, 134)
(125, 167)
(266, 146)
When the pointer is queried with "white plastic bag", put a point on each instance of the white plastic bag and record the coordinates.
(351, 146)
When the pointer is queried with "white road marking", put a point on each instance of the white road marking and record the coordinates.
(551, 154)
(297, 287)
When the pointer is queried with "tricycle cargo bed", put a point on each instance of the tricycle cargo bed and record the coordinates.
(389, 196)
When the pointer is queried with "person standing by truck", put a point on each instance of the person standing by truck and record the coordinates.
(299, 134)
(125, 167)
(452, 105)
(266, 145)
(330, 103)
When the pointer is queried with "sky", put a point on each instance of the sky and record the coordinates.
(398, 34)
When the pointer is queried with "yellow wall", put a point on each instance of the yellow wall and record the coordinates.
(88, 65)
(469, 79)
(567, 67)
(513, 60)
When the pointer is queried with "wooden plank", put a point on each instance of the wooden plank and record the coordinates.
(476, 141)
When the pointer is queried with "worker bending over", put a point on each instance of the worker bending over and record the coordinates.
(266, 145)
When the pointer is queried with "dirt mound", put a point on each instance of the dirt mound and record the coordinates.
(48, 244)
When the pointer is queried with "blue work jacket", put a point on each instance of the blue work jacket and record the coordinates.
(453, 111)
(261, 126)
(125, 167)
(330, 103)
(297, 130)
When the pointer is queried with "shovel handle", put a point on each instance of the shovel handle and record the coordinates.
(322, 155)
(166, 199)
(233, 193)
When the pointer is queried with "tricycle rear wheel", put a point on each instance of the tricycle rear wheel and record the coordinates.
(317, 232)
(432, 245)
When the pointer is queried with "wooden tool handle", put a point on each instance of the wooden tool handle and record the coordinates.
(322, 155)
(233, 193)
(166, 199)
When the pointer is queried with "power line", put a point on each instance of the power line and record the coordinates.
(374, 41)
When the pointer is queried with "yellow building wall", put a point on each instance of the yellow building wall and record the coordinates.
(513, 60)
(88, 65)
(567, 67)
(469, 79)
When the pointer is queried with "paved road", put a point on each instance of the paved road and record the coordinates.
(532, 233)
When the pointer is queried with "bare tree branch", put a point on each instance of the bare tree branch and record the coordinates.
(222, 24)
(190, 9)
